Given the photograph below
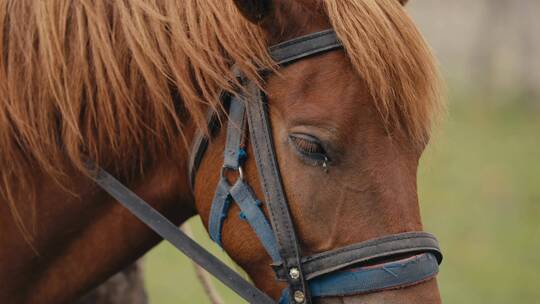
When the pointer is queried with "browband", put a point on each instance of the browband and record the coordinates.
(305, 46)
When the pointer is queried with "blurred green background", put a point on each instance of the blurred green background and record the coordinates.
(479, 180)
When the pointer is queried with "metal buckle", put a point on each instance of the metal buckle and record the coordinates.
(239, 170)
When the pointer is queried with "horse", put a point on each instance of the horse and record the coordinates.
(127, 84)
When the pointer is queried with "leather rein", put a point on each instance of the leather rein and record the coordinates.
(326, 274)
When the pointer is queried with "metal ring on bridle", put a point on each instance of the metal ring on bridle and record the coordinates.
(239, 170)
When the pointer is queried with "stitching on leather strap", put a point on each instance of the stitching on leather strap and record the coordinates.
(367, 244)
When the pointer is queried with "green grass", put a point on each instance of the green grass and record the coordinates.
(479, 184)
(480, 188)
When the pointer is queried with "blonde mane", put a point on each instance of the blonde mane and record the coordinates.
(116, 80)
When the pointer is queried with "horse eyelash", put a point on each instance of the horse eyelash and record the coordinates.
(307, 146)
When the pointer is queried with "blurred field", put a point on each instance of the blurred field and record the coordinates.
(479, 185)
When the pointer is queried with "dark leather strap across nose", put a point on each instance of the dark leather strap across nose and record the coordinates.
(407, 243)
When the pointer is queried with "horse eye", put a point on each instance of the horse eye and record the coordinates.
(307, 145)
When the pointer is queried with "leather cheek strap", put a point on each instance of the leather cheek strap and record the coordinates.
(270, 178)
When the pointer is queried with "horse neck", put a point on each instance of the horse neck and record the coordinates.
(86, 233)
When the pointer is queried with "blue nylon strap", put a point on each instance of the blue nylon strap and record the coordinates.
(369, 279)
(231, 157)
(219, 209)
(252, 212)
(362, 280)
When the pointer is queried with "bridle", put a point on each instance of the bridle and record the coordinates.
(278, 237)
(331, 273)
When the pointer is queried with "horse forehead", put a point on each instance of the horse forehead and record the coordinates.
(324, 88)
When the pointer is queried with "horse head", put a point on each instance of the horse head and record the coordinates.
(348, 128)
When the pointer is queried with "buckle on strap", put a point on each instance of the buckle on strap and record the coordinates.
(239, 169)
